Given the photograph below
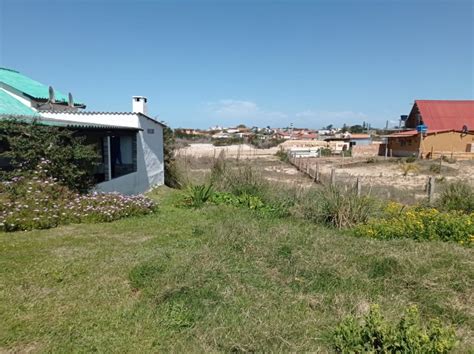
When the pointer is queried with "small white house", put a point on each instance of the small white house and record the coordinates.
(130, 143)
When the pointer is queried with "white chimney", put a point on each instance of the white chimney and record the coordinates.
(139, 104)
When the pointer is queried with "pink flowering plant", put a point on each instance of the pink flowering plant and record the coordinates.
(38, 201)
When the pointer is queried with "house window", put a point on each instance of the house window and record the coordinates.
(123, 155)
(150, 131)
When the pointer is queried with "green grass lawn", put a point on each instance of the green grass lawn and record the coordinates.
(216, 279)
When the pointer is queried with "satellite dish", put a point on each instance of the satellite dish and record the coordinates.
(70, 100)
(52, 99)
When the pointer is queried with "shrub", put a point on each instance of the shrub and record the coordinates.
(407, 167)
(457, 196)
(227, 141)
(242, 179)
(371, 160)
(282, 155)
(335, 207)
(447, 159)
(325, 152)
(435, 168)
(172, 173)
(197, 196)
(374, 334)
(264, 143)
(420, 224)
(40, 202)
(71, 160)
(410, 159)
(247, 201)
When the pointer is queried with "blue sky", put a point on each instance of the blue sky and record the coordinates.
(201, 63)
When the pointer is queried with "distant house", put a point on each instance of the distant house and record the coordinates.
(130, 143)
(360, 139)
(436, 127)
(350, 140)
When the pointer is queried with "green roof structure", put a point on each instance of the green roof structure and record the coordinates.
(11, 106)
(28, 86)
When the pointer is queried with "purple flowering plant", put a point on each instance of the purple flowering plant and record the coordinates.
(38, 201)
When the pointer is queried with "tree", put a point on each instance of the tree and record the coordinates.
(171, 169)
(71, 160)
(356, 129)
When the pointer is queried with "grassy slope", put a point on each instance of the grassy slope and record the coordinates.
(215, 279)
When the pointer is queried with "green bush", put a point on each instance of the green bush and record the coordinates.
(457, 196)
(420, 224)
(410, 159)
(335, 207)
(197, 196)
(282, 155)
(227, 141)
(247, 201)
(71, 160)
(173, 177)
(325, 152)
(435, 168)
(374, 334)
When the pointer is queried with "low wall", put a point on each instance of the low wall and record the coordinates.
(366, 150)
(455, 155)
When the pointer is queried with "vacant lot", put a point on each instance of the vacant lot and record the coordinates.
(216, 279)
(196, 161)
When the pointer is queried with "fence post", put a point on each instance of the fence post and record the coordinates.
(333, 176)
(431, 189)
(386, 151)
(307, 169)
(316, 175)
(358, 187)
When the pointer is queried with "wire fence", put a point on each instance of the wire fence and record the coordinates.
(327, 174)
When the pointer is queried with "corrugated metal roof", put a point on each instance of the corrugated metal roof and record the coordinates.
(29, 86)
(63, 123)
(9, 105)
(445, 114)
(409, 133)
(85, 113)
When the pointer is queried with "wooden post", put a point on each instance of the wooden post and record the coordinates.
(316, 175)
(431, 189)
(358, 187)
(386, 151)
(333, 176)
(307, 168)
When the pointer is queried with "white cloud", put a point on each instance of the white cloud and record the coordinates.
(232, 112)
(317, 119)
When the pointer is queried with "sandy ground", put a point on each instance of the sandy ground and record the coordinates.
(383, 175)
(232, 151)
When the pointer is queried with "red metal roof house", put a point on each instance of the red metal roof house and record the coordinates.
(449, 130)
